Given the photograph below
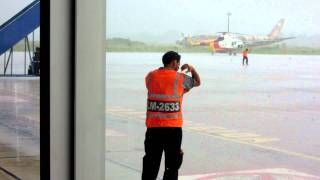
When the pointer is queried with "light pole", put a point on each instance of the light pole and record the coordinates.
(229, 14)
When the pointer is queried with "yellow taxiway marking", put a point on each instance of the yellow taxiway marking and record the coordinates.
(198, 127)
(230, 133)
(222, 133)
(126, 113)
(112, 133)
(292, 153)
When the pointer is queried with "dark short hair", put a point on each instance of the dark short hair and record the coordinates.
(170, 56)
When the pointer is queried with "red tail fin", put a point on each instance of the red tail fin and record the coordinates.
(276, 29)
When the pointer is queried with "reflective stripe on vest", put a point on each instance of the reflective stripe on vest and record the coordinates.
(167, 116)
(164, 110)
(163, 96)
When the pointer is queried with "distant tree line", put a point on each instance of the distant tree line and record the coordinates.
(20, 46)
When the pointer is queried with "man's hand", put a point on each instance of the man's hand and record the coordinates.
(187, 66)
(195, 75)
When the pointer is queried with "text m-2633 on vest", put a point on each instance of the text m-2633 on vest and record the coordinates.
(163, 106)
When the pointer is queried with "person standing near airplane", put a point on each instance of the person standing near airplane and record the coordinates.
(245, 57)
(164, 121)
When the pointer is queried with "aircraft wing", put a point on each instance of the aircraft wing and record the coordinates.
(265, 42)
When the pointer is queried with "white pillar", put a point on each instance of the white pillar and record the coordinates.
(60, 88)
(90, 89)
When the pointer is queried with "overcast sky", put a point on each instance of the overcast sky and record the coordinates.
(126, 17)
(195, 16)
(9, 8)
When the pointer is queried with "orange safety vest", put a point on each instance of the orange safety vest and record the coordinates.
(165, 92)
(245, 53)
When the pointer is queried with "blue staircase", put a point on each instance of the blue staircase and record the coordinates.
(19, 26)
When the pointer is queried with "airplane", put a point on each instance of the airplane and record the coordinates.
(229, 42)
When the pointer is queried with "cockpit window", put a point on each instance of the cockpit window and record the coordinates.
(220, 38)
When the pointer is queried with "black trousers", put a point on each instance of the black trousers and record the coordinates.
(159, 140)
(245, 59)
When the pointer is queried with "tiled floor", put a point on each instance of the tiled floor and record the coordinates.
(19, 128)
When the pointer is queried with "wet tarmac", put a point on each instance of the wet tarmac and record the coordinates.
(255, 122)
(242, 121)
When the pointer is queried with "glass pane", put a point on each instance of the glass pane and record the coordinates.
(20, 90)
(255, 114)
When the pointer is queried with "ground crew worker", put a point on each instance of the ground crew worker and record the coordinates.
(165, 88)
(245, 57)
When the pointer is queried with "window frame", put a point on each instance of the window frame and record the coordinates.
(72, 118)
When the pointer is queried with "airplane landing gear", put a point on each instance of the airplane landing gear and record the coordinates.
(232, 53)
